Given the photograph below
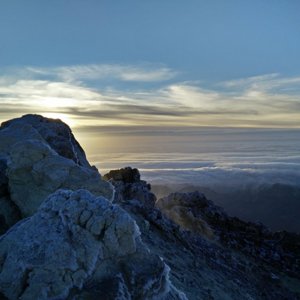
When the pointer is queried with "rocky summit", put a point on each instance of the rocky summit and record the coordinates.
(34, 164)
(69, 233)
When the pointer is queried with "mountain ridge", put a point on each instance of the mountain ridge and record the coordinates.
(181, 246)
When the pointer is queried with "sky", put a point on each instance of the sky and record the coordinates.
(116, 64)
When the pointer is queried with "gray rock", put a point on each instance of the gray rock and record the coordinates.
(78, 245)
(55, 133)
(225, 267)
(180, 208)
(39, 156)
(36, 171)
(129, 186)
(126, 175)
(193, 212)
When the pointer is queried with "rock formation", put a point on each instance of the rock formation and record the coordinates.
(80, 245)
(70, 241)
(68, 234)
(53, 131)
(192, 211)
(128, 186)
(186, 211)
(37, 157)
(212, 255)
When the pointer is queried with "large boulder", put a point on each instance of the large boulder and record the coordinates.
(79, 245)
(38, 156)
(54, 132)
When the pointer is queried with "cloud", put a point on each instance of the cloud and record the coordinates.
(140, 73)
(250, 81)
(265, 83)
(212, 170)
(261, 101)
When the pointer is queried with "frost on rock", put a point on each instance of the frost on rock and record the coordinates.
(79, 245)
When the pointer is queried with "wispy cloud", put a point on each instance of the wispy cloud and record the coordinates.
(261, 101)
(139, 73)
(268, 82)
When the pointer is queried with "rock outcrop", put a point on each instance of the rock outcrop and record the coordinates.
(192, 211)
(187, 210)
(68, 234)
(54, 132)
(80, 245)
(211, 255)
(129, 186)
(39, 156)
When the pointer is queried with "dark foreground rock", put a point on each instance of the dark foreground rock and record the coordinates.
(128, 186)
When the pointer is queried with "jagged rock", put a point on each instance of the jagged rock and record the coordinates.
(126, 175)
(78, 245)
(194, 212)
(56, 134)
(203, 268)
(185, 210)
(128, 186)
(42, 156)
(215, 269)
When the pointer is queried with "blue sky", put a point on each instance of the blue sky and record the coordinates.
(167, 63)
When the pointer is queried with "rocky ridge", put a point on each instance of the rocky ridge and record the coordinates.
(279, 249)
(33, 164)
(212, 255)
(69, 240)
(82, 236)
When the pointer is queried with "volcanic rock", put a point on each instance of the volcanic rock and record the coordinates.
(185, 210)
(211, 255)
(77, 244)
(35, 164)
(129, 186)
(54, 132)
(192, 211)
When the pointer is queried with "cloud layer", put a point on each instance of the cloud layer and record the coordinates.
(231, 168)
(72, 92)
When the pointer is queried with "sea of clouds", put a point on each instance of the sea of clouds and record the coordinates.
(216, 160)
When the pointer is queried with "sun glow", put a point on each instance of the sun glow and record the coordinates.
(64, 117)
(57, 102)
